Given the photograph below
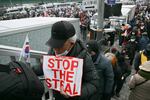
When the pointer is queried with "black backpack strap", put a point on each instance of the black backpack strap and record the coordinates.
(4, 68)
(141, 83)
(33, 81)
(10, 82)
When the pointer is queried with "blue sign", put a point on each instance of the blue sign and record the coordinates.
(111, 2)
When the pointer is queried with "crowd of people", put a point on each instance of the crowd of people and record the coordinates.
(134, 43)
(112, 67)
(103, 73)
(62, 11)
(72, 11)
(115, 66)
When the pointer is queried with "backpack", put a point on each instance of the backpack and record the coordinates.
(19, 82)
(143, 57)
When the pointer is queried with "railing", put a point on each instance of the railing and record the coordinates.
(14, 52)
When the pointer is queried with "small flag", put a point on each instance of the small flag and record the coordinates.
(25, 53)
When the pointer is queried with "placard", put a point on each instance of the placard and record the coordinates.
(63, 72)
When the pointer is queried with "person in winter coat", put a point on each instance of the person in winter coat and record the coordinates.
(143, 41)
(131, 48)
(84, 24)
(139, 83)
(63, 42)
(121, 70)
(124, 70)
(141, 57)
(104, 68)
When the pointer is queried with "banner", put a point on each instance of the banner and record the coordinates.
(111, 2)
(63, 72)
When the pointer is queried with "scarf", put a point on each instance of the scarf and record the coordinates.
(144, 74)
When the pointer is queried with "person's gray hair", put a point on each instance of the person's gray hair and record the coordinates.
(73, 38)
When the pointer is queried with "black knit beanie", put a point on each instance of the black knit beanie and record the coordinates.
(92, 45)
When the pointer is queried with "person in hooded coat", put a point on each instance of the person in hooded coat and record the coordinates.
(104, 68)
(139, 83)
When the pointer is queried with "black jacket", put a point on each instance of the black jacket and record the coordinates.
(90, 83)
(105, 71)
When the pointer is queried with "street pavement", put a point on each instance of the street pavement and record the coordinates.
(124, 93)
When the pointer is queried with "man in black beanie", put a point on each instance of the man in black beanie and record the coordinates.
(104, 69)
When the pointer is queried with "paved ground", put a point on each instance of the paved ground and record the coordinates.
(124, 92)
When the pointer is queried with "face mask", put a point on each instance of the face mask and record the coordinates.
(142, 27)
(133, 33)
(63, 54)
(132, 40)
